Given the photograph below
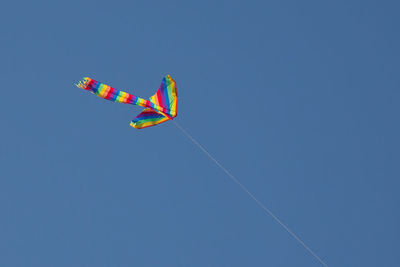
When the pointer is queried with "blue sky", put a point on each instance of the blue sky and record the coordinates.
(298, 99)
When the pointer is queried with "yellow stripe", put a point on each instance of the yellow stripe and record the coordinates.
(105, 90)
(124, 96)
(99, 90)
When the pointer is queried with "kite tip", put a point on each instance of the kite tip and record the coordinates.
(133, 125)
(83, 83)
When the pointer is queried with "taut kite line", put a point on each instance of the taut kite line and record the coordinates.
(163, 107)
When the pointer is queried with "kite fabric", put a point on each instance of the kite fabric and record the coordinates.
(161, 107)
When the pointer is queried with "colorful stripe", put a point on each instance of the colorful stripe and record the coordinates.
(148, 118)
(167, 96)
(161, 107)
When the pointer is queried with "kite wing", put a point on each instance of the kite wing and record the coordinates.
(148, 118)
(167, 96)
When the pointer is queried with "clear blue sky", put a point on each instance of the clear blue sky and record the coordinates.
(298, 99)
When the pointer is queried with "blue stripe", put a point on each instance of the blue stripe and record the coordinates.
(114, 98)
(165, 93)
(95, 87)
(147, 116)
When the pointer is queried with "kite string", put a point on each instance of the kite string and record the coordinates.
(250, 194)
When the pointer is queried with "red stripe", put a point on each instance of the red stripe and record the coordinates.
(90, 84)
(147, 103)
(109, 93)
(159, 100)
(129, 99)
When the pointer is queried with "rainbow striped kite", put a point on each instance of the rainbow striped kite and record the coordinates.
(161, 107)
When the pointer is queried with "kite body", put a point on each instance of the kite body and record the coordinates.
(161, 107)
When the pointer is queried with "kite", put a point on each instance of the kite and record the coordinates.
(161, 107)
